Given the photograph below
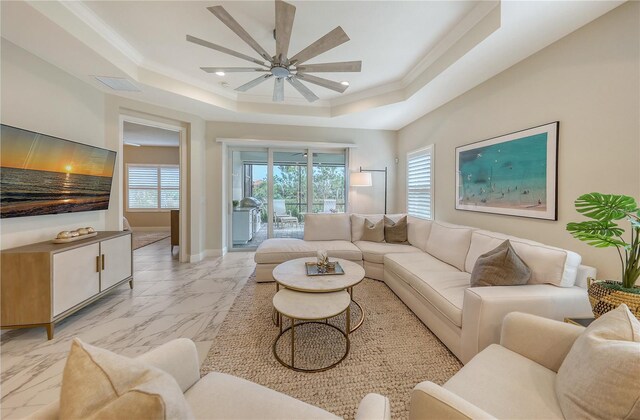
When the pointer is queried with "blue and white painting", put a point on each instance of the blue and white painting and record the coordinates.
(514, 174)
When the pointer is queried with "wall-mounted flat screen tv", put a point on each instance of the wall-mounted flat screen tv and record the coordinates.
(41, 174)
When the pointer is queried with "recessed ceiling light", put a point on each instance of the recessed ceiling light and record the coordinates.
(220, 73)
(344, 83)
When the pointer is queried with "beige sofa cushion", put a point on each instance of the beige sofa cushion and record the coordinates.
(327, 227)
(450, 243)
(418, 232)
(373, 231)
(220, 394)
(279, 250)
(600, 377)
(357, 223)
(97, 383)
(375, 251)
(507, 385)
(439, 283)
(548, 264)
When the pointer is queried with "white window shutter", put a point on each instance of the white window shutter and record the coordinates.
(420, 183)
(153, 187)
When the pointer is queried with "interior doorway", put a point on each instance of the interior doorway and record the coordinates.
(153, 184)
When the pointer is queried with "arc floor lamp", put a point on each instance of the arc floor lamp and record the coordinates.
(363, 179)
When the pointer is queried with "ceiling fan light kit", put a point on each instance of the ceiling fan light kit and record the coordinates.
(280, 67)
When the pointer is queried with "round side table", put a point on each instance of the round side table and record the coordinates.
(310, 308)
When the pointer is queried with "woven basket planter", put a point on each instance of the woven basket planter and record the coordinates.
(603, 299)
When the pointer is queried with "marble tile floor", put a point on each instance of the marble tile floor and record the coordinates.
(169, 300)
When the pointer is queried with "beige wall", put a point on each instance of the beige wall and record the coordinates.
(375, 150)
(38, 96)
(590, 82)
(148, 155)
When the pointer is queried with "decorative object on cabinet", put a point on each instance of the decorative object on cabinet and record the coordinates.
(43, 283)
(514, 174)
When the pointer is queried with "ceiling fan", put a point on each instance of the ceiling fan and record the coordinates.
(281, 67)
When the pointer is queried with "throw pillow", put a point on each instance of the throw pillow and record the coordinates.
(600, 377)
(500, 267)
(373, 232)
(395, 232)
(97, 383)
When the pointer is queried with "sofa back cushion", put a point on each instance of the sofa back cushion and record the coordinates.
(327, 227)
(548, 264)
(418, 232)
(357, 223)
(450, 243)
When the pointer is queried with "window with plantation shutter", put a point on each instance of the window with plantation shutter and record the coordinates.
(420, 183)
(153, 187)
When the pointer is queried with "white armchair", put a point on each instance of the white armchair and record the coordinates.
(513, 379)
(221, 396)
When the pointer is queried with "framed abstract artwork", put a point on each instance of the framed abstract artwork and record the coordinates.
(514, 174)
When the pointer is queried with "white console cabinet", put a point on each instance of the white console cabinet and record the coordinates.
(45, 282)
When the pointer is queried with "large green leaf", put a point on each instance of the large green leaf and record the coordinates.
(594, 227)
(605, 207)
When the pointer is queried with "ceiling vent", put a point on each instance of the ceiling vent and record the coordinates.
(118, 83)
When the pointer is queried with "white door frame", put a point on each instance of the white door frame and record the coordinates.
(182, 146)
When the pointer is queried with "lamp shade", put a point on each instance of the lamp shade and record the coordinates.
(360, 179)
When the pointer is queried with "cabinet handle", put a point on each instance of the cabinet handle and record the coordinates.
(97, 263)
(103, 261)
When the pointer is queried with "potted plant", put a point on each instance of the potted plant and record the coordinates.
(235, 203)
(602, 231)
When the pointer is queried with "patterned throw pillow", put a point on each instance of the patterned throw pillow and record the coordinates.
(395, 232)
(500, 267)
(373, 232)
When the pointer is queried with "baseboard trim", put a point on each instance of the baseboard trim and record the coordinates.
(207, 253)
(151, 228)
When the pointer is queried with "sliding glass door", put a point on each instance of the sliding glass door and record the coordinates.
(329, 182)
(289, 193)
(272, 191)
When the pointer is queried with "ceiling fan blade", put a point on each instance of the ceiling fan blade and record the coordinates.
(232, 69)
(329, 84)
(304, 91)
(327, 42)
(345, 66)
(278, 90)
(223, 49)
(253, 83)
(231, 23)
(285, 14)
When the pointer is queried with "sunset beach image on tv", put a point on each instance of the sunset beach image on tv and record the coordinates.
(40, 174)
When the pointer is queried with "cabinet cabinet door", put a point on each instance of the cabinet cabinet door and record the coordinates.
(117, 260)
(76, 277)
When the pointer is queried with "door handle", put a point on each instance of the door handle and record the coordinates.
(97, 263)
(103, 261)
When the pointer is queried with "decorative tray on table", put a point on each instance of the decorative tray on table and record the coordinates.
(333, 268)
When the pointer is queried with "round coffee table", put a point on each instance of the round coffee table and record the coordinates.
(311, 308)
(292, 275)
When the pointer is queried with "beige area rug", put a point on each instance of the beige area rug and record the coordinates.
(390, 353)
(141, 239)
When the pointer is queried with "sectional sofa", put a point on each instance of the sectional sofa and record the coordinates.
(431, 273)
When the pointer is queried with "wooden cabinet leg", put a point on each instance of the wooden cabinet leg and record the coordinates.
(131, 283)
(49, 331)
